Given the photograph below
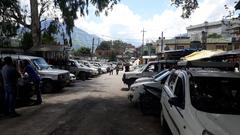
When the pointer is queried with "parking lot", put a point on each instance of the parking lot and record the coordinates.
(98, 106)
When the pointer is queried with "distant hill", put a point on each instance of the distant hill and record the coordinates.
(79, 37)
(82, 38)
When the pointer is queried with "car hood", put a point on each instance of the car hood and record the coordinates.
(220, 124)
(144, 79)
(141, 83)
(52, 71)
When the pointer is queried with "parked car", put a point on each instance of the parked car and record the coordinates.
(52, 79)
(137, 89)
(79, 70)
(152, 78)
(148, 70)
(95, 70)
(201, 102)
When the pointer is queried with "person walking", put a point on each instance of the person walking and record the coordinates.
(33, 76)
(10, 77)
(111, 70)
(117, 69)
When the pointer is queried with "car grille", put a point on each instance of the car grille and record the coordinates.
(65, 76)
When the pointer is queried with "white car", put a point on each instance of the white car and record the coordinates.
(138, 88)
(201, 102)
(52, 79)
(148, 79)
(148, 70)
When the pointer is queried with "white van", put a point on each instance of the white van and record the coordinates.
(52, 79)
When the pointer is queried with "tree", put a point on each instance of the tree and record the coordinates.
(8, 28)
(82, 51)
(69, 9)
(188, 6)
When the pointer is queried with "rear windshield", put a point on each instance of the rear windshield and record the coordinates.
(215, 95)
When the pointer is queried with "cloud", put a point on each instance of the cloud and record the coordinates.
(123, 23)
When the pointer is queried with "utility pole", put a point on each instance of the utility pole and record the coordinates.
(162, 43)
(92, 48)
(143, 31)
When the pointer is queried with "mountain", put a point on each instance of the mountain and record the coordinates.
(82, 38)
(79, 37)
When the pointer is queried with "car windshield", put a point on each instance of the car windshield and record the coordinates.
(163, 77)
(159, 74)
(215, 95)
(40, 63)
(141, 69)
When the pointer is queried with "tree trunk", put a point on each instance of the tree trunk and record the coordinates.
(35, 23)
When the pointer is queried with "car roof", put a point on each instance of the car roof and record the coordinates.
(16, 56)
(164, 61)
(214, 73)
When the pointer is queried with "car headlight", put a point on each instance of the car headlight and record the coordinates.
(206, 132)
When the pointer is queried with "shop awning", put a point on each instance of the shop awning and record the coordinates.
(201, 55)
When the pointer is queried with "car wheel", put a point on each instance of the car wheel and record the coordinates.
(47, 86)
(145, 106)
(82, 76)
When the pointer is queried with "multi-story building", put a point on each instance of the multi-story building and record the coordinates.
(196, 32)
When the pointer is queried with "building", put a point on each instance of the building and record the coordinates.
(211, 44)
(196, 32)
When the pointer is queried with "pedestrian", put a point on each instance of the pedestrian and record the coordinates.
(111, 70)
(10, 77)
(33, 76)
(117, 69)
(126, 67)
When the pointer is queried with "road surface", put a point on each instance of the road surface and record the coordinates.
(94, 107)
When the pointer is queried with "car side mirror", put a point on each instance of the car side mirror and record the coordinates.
(175, 102)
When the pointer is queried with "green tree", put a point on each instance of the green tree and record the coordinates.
(69, 9)
(8, 28)
(26, 41)
(82, 51)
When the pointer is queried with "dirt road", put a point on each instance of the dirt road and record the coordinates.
(94, 107)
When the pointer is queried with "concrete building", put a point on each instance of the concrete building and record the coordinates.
(195, 32)
(212, 44)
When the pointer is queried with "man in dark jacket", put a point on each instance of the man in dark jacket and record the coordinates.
(33, 76)
(10, 77)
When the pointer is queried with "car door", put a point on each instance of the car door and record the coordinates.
(150, 70)
(167, 93)
(176, 111)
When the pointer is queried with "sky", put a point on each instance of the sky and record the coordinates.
(129, 17)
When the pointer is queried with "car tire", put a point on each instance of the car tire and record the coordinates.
(82, 76)
(47, 86)
(144, 100)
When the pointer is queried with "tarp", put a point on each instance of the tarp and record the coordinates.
(201, 55)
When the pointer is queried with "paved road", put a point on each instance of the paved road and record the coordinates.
(94, 107)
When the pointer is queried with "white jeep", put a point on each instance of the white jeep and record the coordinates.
(52, 79)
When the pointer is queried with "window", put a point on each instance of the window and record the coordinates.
(180, 47)
(179, 92)
(215, 94)
(221, 47)
(172, 80)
